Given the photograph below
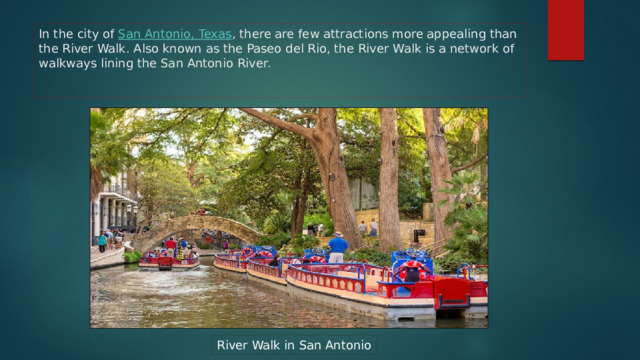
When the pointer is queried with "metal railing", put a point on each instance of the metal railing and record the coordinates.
(118, 189)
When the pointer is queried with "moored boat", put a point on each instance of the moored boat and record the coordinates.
(407, 291)
(236, 260)
(166, 263)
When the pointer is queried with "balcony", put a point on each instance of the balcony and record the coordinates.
(118, 189)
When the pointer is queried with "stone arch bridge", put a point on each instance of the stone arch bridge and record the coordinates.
(154, 237)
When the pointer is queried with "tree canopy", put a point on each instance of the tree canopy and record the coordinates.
(274, 168)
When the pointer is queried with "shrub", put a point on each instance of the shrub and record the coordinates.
(277, 241)
(131, 258)
(301, 242)
(468, 217)
(320, 218)
(371, 254)
(451, 261)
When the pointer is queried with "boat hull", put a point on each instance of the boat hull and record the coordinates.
(338, 285)
(167, 264)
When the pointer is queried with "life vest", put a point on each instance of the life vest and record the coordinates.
(317, 259)
(265, 253)
(412, 265)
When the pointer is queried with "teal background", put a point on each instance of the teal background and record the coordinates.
(564, 195)
(351, 76)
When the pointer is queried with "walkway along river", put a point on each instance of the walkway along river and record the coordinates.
(123, 297)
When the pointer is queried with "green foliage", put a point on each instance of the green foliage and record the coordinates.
(410, 205)
(320, 218)
(469, 216)
(451, 261)
(276, 223)
(466, 130)
(132, 258)
(371, 254)
(108, 151)
(163, 189)
(278, 241)
(275, 174)
(137, 253)
(301, 242)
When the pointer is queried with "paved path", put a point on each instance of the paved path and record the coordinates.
(96, 254)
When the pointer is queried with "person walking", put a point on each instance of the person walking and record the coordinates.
(109, 235)
(311, 230)
(226, 246)
(338, 246)
(374, 228)
(362, 228)
(320, 229)
(102, 242)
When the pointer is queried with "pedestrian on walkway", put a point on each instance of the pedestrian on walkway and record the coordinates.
(310, 229)
(102, 242)
(374, 228)
(109, 235)
(363, 229)
(226, 246)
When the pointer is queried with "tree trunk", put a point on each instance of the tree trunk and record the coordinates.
(440, 169)
(302, 205)
(295, 208)
(326, 146)
(389, 217)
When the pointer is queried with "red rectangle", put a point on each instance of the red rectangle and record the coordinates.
(566, 30)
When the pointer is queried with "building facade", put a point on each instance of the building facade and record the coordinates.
(115, 207)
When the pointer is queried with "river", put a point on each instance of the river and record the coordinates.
(123, 297)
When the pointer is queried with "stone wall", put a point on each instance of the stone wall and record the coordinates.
(366, 216)
(408, 226)
(427, 211)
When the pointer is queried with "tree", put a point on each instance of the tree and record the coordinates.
(163, 189)
(108, 153)
(388, 209)
(278, 173)
(440, 169)
(324, 140)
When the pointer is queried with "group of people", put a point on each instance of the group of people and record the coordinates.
(178, 250)
(311, 229)
(363, 228)
(110, 239)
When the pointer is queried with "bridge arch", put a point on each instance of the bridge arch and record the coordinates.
(154, 237)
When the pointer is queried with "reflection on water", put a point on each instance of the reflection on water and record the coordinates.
(123, 297)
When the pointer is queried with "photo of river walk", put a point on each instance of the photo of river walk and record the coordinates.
(289, 218)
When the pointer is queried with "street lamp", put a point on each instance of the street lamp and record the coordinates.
(135, 218)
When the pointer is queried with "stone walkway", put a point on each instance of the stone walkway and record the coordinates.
(110, 257)
(96, 254)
